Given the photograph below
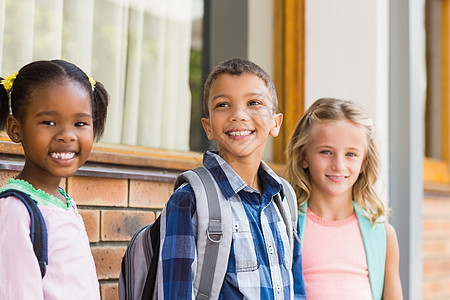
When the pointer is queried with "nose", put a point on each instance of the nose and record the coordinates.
(239, 113)
(66, 135)
(338, 163)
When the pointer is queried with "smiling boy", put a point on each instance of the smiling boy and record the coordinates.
(241, 112)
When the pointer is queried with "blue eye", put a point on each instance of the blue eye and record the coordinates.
(326, 152)
(351, 154)
(254, 102)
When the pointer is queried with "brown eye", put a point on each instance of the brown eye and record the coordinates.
(222, 104)
(49, 123)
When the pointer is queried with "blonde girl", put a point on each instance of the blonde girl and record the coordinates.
(333, 163)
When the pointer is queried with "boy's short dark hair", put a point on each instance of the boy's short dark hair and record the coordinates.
(238, 66)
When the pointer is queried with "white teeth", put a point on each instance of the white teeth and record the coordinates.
(337, 177)
(62, 155)
(239, 133)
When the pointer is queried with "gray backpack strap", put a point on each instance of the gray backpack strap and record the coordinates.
(293, 208)
(214, 232)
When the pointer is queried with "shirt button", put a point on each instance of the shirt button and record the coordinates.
(278, 287)
(271, 250)
(236, 227)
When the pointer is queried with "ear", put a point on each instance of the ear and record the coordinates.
(305, 163)
(207, 127)
(13, 129)
(277, 120)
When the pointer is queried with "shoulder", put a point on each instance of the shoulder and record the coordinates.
(392, 249)
(14, 216)
(12, 206)
(182, 197)
(391, 236)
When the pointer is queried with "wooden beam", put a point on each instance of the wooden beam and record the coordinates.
(288, 67)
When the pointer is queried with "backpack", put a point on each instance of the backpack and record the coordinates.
(38, 229)
(139, 264)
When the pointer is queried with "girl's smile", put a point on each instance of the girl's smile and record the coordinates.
(337, 178)
(334, 158)
(56, 132)
(62, 155)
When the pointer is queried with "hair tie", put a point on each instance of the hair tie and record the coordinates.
(92, 81)
(9, 81)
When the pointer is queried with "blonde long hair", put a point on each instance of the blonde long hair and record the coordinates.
(329, 110)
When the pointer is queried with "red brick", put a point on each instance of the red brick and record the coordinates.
(91, 220)
(119, 225)
(434, 247)
(98, 191)
(436, 207)
(436, 228)
(151, 194)
(108, 261)
(437, 267)
(6, 175)
(109, 291)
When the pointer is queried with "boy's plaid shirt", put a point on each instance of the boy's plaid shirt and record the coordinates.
(259, 265)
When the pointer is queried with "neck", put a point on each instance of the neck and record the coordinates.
(248, 171)
(51, 188)
(332, 209)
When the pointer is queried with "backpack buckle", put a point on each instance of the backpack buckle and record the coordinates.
(214, 236)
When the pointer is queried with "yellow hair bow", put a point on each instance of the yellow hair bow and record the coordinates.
(9, 81)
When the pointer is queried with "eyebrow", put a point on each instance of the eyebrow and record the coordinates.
(54, 113)
(248, 94)
(220, 96)
(346, 149)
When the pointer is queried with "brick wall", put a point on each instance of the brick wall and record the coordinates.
(113, 209)
(436, 244)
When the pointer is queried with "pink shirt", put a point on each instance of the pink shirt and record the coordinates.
(70, 271)
(334, 259)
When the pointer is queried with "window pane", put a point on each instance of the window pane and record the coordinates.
(141, 50)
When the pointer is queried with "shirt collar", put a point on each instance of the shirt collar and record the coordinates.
(230, 183)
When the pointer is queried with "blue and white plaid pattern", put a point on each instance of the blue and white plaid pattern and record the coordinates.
(260, 261)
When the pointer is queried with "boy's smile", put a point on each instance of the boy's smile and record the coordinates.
(241, 116)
